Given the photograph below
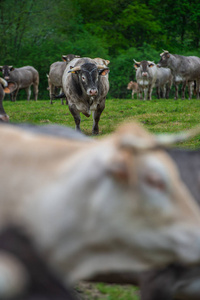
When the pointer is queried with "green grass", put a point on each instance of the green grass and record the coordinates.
(156, 115)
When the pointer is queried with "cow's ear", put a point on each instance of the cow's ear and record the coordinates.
(136, 66)
(10, 88)
(1, 68)
(12, 68)
(151, 65)
(64, 57)
(168, 55)
(107, 62)
(104, 72)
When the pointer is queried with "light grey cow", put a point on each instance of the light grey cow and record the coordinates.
(55, 75)
(23, 78)
(184, 68)
(146, 76)
(164, 82)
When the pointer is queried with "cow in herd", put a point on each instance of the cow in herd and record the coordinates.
(107, 224)
(55, 74)
(23, 78)
(148, 76)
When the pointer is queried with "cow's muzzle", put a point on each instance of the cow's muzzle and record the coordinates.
(144, 74)
(92, 92)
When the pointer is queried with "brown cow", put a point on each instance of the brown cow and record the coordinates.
(132, 85)
(23, 78)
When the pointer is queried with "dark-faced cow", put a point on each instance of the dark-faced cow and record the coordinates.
(146, 76)
(85, 84)
(164, 82)
(24, 78)
(183, 68)
(55, 74)
(132, 85)
(110, 205)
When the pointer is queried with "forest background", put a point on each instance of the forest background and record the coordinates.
(38, 32)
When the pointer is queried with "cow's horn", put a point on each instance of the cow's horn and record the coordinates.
(170, 139)
(72, 70)
(99, 67)
(3, 82)
(136, 61)
(160, 140)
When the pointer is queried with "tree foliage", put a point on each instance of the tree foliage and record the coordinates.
(38, 32)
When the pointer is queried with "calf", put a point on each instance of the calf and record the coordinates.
(55, 74)
(146, 76)
(89, 207)
(134, 87)
(24, 78)
(183, 68)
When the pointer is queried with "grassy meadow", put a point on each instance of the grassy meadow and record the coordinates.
(158, 116)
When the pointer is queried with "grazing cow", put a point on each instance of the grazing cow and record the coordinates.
(132, 85)
(164, 82)
(146, 76)
(55, 74)
(183, 68)
(23, 78)
(86, 85)
(106, 224)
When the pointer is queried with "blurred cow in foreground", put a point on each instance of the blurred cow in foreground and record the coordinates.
(94, 206)
(132, 85)
(23, 78)
(55, 74)
(177, 281)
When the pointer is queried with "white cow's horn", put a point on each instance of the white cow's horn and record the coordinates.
(160, 140)
(77, 68)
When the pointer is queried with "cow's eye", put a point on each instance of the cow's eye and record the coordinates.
(83, 78)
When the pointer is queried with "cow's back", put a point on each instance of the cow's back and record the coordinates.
(56, 72)
(25, 76)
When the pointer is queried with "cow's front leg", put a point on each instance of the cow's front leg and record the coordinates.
(197, 87)
(158, 92)
(176, 91)
(149, 92)
(96, 117)
(76, 115)
(15, 95)
(183, 90)
(145, 93)
(28, 93)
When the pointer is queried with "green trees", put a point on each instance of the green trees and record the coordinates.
(38, 32)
